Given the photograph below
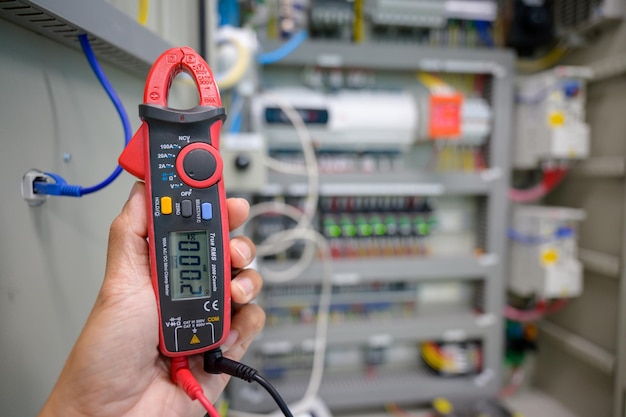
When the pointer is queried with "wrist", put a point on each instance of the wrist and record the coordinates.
(56, 406)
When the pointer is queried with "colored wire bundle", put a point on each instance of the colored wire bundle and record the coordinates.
(483, 30)
(541, 310)
(550, 59)
(458, 158)
(238, 70)
(551, 178)
(452, 358)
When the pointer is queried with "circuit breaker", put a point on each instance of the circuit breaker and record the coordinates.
(550, 117)
(544, 251)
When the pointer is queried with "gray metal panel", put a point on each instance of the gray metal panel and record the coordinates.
(582, 388)
(115, 37)
(598, 188)
(576, 318)
(342, 393)
(393, 56)
(407, 183)
(498, 211)
(409, 268)
(458, 325)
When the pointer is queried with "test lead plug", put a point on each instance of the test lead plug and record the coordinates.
(216, 363)
(182, 376)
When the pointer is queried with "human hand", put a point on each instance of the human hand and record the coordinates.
(115, 368)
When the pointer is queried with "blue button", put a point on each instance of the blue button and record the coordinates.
(207, 211)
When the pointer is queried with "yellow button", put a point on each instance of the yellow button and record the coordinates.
(166, 205)
(442, 406)
(556, 119)
(549, 256)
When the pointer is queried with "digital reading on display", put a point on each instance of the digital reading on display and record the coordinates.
(189, 254)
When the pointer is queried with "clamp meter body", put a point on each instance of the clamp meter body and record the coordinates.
(176, 153)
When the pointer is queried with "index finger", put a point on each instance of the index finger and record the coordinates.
(238, 210)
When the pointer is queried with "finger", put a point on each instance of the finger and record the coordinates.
(128, 249)
(242, 251)
(245, 286)
(238, 210)
(246, 323)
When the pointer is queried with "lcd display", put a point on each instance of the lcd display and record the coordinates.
(189, 259)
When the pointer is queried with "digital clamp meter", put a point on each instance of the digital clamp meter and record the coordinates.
(176, 153)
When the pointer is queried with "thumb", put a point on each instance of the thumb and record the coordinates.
(127, 258)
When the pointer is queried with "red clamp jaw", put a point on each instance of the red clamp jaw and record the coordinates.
(171, 63)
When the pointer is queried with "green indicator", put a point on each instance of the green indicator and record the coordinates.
(365, 230)
(349, 230)
(329, 226)
(377, 225)
(361, 220)
(334, 231)
(423, 228)
(380, 229)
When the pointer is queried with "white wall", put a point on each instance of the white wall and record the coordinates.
(52, 257)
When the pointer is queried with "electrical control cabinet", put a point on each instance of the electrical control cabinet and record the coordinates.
(415, 229)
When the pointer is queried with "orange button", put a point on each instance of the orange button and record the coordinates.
(166, 205)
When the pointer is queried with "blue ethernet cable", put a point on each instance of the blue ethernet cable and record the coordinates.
(60, 186)
(285, 49)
